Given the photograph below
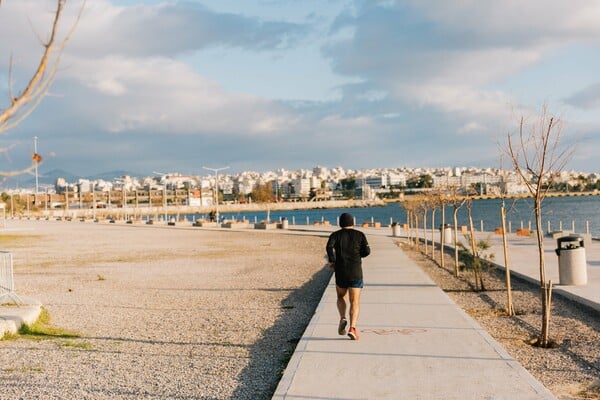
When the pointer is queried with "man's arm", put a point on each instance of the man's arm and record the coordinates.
(330, 249)
(365, 250)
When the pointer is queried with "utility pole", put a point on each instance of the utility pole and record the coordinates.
(216, 171)
(36, 159)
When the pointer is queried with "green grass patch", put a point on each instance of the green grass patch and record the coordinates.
(23, 370)
(43, 329)
(4, 238)
(77, 345)
(10, 336)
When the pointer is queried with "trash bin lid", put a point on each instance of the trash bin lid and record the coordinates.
(570, 239)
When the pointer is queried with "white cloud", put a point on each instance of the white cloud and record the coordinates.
(164, 95)
(512, 22)
(108, 86)
(471, 127)
(173, 28)
(421, 76)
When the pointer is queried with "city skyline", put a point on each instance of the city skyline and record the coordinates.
(149, 85)
(49, 178)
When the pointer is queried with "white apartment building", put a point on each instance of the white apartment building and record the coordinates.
(302, 186)
(84, 185)
(394, 179)
(320, 172)
(373, 181)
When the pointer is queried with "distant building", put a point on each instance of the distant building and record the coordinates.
(301, 187)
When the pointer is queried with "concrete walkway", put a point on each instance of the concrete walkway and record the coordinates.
(415, 344)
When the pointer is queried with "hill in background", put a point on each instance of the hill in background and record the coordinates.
(48, 178)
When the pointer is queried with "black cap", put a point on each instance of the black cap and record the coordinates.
(346, 219)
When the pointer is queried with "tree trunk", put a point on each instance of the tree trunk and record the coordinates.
(433, 233)
(548, 297)
(417, 237)
(544, 292)
(474, 251)
(425, 232)
(442, 237)
(455, 217)
(510, 311)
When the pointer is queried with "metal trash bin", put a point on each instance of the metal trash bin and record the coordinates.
(572, 265)
(446, 230)
(395, 229)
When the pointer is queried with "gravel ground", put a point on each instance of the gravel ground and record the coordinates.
(572, 369)
(163, 313)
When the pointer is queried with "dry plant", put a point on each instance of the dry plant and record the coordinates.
(411, 207)
(475, 248)
(424, 204)
(536, 157)
(436, 204)
(510, 309)
(440, 199)
(456, 201)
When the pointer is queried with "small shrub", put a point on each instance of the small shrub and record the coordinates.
(480, 262)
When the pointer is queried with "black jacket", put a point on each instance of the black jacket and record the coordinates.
(345, 248)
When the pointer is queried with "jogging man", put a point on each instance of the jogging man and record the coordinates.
(345, 249)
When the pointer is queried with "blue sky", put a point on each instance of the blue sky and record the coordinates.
(263, 84)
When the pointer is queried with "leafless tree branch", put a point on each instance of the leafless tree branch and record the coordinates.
(22, 105)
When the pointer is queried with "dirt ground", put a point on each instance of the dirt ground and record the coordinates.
(160, 312)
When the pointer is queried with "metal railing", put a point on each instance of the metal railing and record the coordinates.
(7, 283)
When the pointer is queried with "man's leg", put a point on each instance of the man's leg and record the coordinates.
(354, 305)
(342, 295)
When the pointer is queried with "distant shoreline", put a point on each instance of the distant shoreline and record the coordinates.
(137, 212)
(508, 196)
(176, 210)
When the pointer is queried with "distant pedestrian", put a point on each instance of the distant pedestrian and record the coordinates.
(345, 249)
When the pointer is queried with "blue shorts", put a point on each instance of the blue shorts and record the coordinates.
(345, 284)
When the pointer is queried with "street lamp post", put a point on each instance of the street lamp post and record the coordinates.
(216, 171)
(36, 159)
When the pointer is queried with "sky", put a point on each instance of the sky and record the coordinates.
(175, 86)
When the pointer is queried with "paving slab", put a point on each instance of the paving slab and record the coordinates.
(415, 344)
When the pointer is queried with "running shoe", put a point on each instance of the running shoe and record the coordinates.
(342, 326)
(352, 333)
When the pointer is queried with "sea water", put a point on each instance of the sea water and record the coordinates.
(558, 213)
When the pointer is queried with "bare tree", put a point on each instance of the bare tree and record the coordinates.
(21, 104)
(409, 206)
(435, 200)
(510, 310)
(456, 201)
(441, 200)
(536, 158)
(424, 207)
(415, 208)
(475, 261)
